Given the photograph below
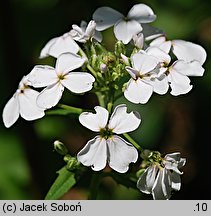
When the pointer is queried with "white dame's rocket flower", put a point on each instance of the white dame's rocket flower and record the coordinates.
(107, 147)
(139, 88)
(85, 32)
(59, 45)
(22, 103)
(160, 178)
(59, 77)
(124, 27)
(190, 60)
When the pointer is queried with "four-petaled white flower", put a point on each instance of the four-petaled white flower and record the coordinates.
(124, 27)
(85, 32)
(107, 147)
(159, 179)
(60, 45)
(139, 88)
(190, 60)
(59, 77)
(22, 103)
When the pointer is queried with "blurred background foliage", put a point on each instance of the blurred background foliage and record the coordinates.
(28, 163)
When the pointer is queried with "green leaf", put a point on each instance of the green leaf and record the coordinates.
(63, 183)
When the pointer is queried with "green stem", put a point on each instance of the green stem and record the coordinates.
(91, 70)
(133, 142)
(70, 108)
(100, 99)
(83, 54)
(94, 185)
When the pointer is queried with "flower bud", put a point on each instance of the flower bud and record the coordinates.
(103, 67)
(138, 40)
(119, 48)
(60, 147)
(72, 164)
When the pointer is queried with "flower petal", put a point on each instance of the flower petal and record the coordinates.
(161, 43)
(50, 96)
(180, 84)
(90, 30)
(106, 17)
(147, 179)
(95, 121)
(161, 189)
(188, 51)
(78, 82)
(125, 30)
(175, 181)
(193, 68)
(160, 86)
(94, 154)
(133, 72)
(123, 122)
(141, 13)
(67, 62)
(151, 32)
(120, 154)
(138, 92)
(174, 157)
(59, 45)
(45, 51)
(42, 75)
(98, 36)
(162, 56)
(11, 112)
(143, 62)
(28, 106)
(158, 41)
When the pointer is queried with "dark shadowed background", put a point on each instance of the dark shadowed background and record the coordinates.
(28, 163)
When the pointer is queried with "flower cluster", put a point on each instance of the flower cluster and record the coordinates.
(83, 63)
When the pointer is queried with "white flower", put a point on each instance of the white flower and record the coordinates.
(22, 103)
(190, 60)
(106, 147)
(139, 88)
(160, 178)
(85, 32)
(158, 79)
(124, 27)
(161, 42)
(59, 77)
(59, 45)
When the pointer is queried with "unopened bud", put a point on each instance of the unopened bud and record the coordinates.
(125, 59)
(103, 67)
(72, 164)
(138, 40)
(60, 147)
(119, 48)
